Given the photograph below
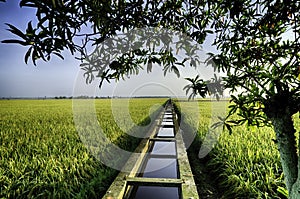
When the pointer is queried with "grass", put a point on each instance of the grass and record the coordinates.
(244, 164)
(42, 156)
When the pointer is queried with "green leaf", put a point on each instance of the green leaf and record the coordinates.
(27, 55)
(218, 97)
(209, 31)
(149, 66)
(26, 3)
(175, 69)
(29, 29)
(16, 31)
(228, 127)
(59, 55)
(14, 41)
(283, 191)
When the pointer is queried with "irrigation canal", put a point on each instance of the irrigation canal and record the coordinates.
(162, 170)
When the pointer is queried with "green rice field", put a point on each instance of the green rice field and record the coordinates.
(42, 156)
(244, 164)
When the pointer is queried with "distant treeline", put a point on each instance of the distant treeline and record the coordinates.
(84, 97)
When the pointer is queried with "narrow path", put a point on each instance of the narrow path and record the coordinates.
(162, 169)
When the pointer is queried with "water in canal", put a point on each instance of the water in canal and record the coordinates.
(161, 162)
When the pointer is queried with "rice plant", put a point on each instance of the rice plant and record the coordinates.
(42, 156)
(246, 163)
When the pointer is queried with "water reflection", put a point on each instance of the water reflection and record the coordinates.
(167, 122)
(151, 192)
(161, 168)
(166, 132)
(164, 148)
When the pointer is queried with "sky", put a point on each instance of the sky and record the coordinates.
(64, 77)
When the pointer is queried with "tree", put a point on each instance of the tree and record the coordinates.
(260, 62)
(259, 59)
(262, 66)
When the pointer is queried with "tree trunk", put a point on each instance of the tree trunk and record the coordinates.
(286, 142)
(295, 192)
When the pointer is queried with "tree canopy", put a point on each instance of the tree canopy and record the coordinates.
(257, 41)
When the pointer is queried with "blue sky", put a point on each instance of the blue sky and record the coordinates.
(58, 77)
(17, 79)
